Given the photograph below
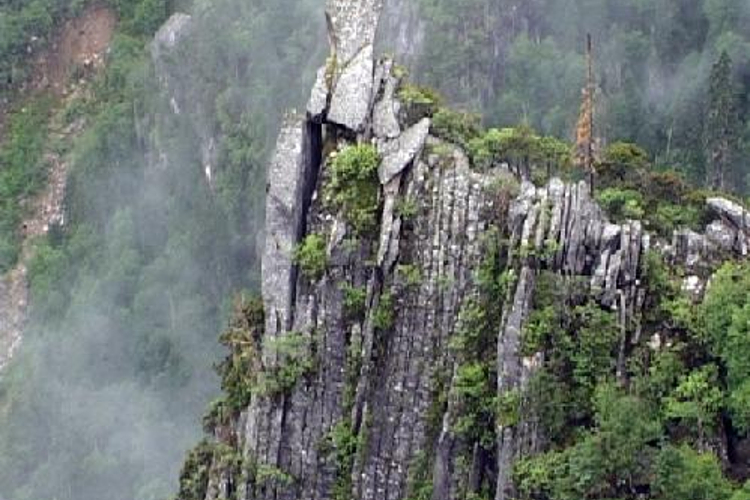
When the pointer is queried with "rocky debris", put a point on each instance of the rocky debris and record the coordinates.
(47, 210)
(352, 92)
(400, 152)
(78, 49)
(730, 211)
(385, 112)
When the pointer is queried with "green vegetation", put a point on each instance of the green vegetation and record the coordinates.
(607, 441)
(354, 187)
(525, 151)
(239, 371)
(410, 274)
(22, 172)
(242, 371)
(630, 187)
(669, 73)
(312, 257)
(265, 473)
(406, 208)
(419, 102)
(384, 315)
(456, 127)
(294, 355)
(722, 130)
(355, 299)
(194, 475)
(128, 296)
(29, 27)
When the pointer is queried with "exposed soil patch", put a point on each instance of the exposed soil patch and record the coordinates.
(79, 48)
(77, 52)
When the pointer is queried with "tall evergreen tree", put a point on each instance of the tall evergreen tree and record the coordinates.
(585, 127)
(721, 128)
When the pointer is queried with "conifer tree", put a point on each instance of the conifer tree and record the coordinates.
(585, 127)
(721, 128)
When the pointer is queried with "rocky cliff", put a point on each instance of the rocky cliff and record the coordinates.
(397, 284)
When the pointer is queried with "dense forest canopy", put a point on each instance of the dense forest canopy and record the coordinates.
(524, 62)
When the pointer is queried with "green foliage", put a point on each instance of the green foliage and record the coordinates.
(610, 461)
(354, 186)
(410, 274)
(724, 327)
(535, 71)
(312, 257)
(525, 151)
(265, 474)
(476, 390)
(343, 448)
(355, 299)
(722, 129)
(684, 474)
(22, 172)
(622, 204)
(384, 315)
(622, 162)
(512, 145)
(407, 208)
(696, 400)
(413, 94)
(127, 296)
(294, 358)
(630, 188)
(509, 408)
(239, 371)
(455, 126)
(195, 472)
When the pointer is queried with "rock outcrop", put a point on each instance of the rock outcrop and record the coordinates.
(371, 404)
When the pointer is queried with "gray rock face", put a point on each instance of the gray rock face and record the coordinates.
(352, 25)
(560, 228)
(290, 175)
(352, 92)
(385, 375)
(168, 36)
(164, 49)
(385, 112)
(399, 153)
(318, 102)
(730, 211)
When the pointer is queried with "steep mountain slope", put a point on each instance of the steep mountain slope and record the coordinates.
(429, 329)
(126, 296)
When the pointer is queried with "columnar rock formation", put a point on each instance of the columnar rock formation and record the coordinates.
(374, 415)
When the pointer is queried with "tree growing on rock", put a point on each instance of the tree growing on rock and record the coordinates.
(585, 127)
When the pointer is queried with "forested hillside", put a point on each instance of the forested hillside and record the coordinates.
(523, 62)
(127, 295)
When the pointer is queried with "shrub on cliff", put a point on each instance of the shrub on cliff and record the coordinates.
(354, 186)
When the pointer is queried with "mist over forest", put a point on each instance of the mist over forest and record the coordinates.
(167, 157)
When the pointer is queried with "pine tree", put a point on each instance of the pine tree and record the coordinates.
(585, 129)
(721, 128)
